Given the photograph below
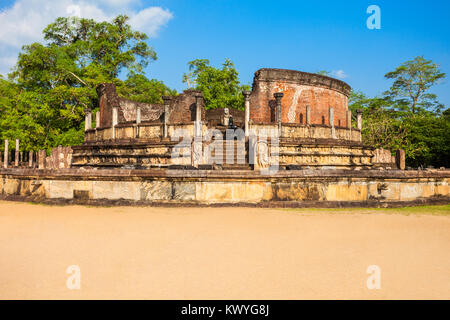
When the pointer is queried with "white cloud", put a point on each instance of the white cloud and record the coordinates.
(23, 22)
(151, 19)
(339, 74)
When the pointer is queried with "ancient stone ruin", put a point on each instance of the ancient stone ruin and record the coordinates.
(294, 141)
(304, 117)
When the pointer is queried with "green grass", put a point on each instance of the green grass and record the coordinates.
(438, 210)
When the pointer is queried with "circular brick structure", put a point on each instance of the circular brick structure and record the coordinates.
(300, 89)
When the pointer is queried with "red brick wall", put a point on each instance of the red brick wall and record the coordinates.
(108, 99)
(300, 89)
(183, 107)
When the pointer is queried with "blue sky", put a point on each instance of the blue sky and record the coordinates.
(301, 35)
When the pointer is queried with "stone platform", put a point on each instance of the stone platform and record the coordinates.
(235, 187)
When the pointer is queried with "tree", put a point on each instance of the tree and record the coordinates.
(382, 127)
(220, 87)
(324, 73)
(408, 116)
(433, 134)
(138, 88)
(106, 47)
(53, 83)
(412, 81)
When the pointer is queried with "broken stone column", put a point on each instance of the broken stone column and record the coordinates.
(246, 111)
(198, 115)
(196, 152)
(359, 119)
(308, 115)
(359, 122)
(97, 120)
(114, 121)
(349, 119)
(5, 159)
(138, 121)
(30, 158)
(331, 121)
(16, 160)
(278, 96)
(138, 114)
(252, 156)
(167, 100)
(400, 159)
(41, 159)
(87, 119)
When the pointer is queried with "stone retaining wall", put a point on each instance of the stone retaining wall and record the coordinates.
(232, 187)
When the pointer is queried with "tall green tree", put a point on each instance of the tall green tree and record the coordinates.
(408, 116)
(53, 82)
(413, 80)
(220, 87)
(382, 127)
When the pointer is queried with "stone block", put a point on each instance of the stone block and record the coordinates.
(185, 191)
(156, 190)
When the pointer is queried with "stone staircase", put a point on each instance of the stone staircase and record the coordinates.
(230, 156)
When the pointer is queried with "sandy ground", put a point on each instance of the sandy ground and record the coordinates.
(220, 253)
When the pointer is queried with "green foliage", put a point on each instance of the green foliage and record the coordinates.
(408, 116)
(139, 88)
(324, 73)
(43, 101)
(382, 127)
(220, 87)
(412, 81)
(432, 133)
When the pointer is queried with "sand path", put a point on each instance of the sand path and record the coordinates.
(219, 253)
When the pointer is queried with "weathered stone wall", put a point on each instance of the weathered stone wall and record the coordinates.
(232, 187)
(383, 158)
(300, 89)
(60, 158)
(183, 107)
(108, 99)
(318, 132)
(149, 112)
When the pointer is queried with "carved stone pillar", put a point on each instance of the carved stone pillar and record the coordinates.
(87, 119)
(5, 159)
(246, 112)
(278, 96)
(359, 119)
(196, 152)
(167, 100)
(30, 158)
(138, 121)
(198, 115)
(349, 119)
(114, 121)
(41, 159)
(16, 160)
(308, 115)
(331, 121)
(138, 114)
(97, 120)
(400, 159)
